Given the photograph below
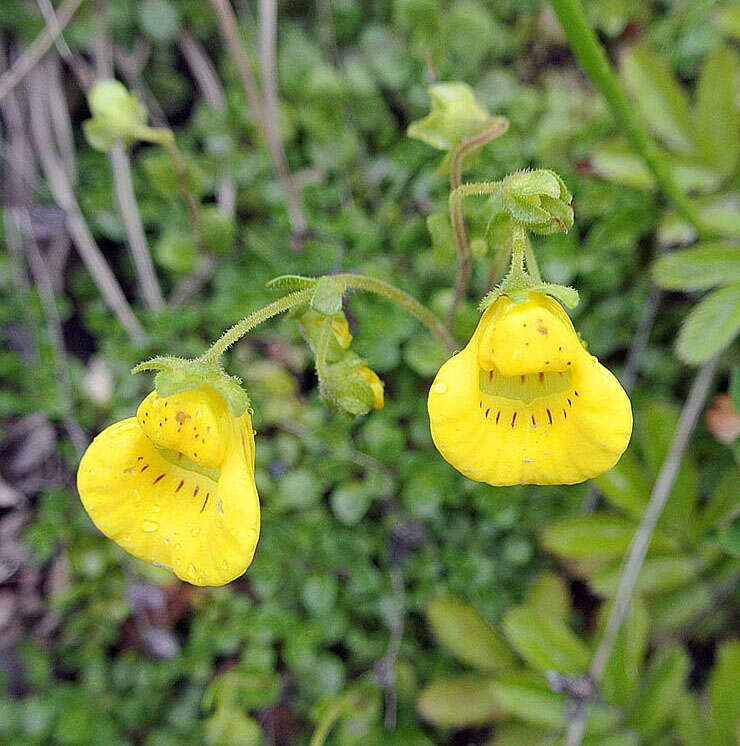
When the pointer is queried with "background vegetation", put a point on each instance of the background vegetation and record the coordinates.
(390, 597)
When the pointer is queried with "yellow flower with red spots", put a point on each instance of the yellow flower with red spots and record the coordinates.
(525, 403)
(175, 486)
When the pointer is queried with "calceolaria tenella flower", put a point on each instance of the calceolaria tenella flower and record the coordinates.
(525, 403)
(174, 486)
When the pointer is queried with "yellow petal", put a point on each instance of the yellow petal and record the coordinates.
(525, 403)
(371, 378)
(197, 515)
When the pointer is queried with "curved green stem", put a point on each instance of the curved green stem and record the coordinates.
(438, 330)
(497, 127)
(236, 332)
(531, 259)
(592, 58)
(331, 716)
(166, 138)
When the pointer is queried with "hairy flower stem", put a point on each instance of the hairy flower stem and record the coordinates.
(435, 326)
(236, 332)
(497, 127)
(348, 281)
(592, 58)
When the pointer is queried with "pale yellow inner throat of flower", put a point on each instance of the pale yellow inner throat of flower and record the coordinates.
(524, 388)
(181, 460)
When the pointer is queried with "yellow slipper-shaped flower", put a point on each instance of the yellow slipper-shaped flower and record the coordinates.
(525, 403)
(174, 486)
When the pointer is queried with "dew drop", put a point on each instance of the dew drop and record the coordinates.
(149, 527)
(191, 571)
(195, 532)
(440, 387)
(178, 547)
(155, 508)
(253, 532)
(225, 565)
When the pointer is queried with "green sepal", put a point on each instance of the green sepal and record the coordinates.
(176, 375)
(327, 296)
(291, 282)
(163, 362)
(230, 388)
(567, 295)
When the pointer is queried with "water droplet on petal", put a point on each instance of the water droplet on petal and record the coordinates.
(253, 532)
(178, 547)
(149, 527)
(440, 387)
(191, 571)
(225, 565)
(155, 508)
(195, 532)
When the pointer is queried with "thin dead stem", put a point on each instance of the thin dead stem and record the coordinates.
(210, 87)
(42, 280)
(32, 56)
(76, 225)
(641, 540)
(268, 126)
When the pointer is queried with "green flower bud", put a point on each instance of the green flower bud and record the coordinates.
(117, 115)
(539, 199)
(456, 116)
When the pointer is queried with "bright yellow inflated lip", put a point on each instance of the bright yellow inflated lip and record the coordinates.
(174, 486)
(525, 403)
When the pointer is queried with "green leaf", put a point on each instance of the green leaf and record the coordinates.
(657, 574)
(159, 19)
(734, 389)
(218, 229)
(327, 296)
(467, 635)
(598, 536)
(690, 723)
(716, 114)
(527, 697)
(723, 695)
(728, 537)
(698, 268)
(425, 355)
(547, 595)
(350, 502)
(456, 115)
(660, 692)
(625, 486)
(460, 701)
(545, 643)
(721, 503)
(672, 610)
(617, 162)
(511, 733)
(711, 326)
(660, 99)
(624, 670)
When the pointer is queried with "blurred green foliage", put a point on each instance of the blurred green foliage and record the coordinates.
(127, 656)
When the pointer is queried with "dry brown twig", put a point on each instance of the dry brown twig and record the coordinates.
(32, 56)
(210, 86)
(269, 127)
(66, 200)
